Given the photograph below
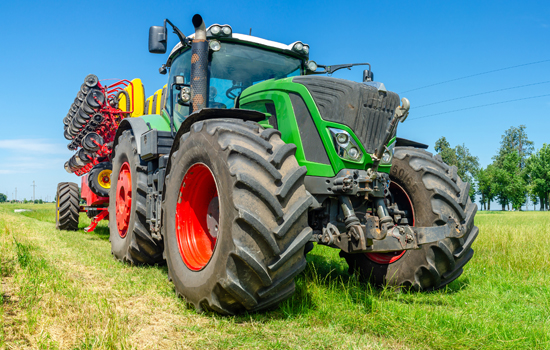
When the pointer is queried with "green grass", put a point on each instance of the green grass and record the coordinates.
(64, 290)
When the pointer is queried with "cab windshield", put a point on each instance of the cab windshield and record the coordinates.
(232, 69)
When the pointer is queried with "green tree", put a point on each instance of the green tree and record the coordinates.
(515, 140)
(538, 169)
(3, 198)
(466, 164)
(486, 185)
(512, 178)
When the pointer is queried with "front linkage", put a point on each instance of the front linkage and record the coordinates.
(378, 232)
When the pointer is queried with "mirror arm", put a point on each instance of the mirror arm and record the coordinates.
(324, 71)
(332, 69)
(184, 41)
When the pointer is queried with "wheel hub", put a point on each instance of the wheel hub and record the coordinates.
(104, 178)
(197, 217)
(213, 217)
(123, 201)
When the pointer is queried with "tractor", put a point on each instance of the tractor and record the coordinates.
(249, 157)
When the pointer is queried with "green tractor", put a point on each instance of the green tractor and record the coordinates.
(254, 158)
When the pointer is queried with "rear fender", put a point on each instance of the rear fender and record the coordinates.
(141, 125)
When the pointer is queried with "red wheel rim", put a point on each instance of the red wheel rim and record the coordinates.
(197, 217)
(388, 258)
(123, 201)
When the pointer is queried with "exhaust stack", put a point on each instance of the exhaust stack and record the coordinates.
(199, 65)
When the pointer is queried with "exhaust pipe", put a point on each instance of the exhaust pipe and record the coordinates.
(199, 65)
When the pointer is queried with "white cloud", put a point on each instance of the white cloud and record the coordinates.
(26, 165)
(42, 146)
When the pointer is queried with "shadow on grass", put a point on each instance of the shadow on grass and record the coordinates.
(324, 280)
(101, 232)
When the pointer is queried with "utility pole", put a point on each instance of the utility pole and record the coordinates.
(16, 194)
(33, 188)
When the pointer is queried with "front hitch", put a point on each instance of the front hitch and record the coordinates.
(397, 238)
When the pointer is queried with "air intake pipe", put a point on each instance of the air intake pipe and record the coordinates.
(199, 65)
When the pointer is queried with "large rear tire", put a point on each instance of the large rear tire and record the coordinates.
(435, 192)
(131, 240)
(235, 217)
(67, 207)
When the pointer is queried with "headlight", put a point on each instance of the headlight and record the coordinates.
(185, 94)
(312, 66)
(387, 157)
(354, 153)
(299, 47)
(215, 30)
(342, 138)
(220, 30)
(214, 45)
(345, 145)
(306, 49)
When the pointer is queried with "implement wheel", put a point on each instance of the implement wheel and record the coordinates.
(67, 207)
(99, 179)
(235, 217)
(430, 191)
(130, 238)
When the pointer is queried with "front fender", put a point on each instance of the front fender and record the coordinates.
(212, 113)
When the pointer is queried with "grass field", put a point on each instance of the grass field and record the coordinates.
(63, 290)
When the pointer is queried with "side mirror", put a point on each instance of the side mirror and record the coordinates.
(157, 39)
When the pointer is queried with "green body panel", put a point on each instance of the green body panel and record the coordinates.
(277, 91)
(159, 122)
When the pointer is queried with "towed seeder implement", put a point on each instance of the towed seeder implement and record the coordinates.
(90, 126)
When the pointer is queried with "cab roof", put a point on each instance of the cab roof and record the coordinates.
(243, 38)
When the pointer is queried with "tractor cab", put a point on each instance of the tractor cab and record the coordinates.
(233, 62)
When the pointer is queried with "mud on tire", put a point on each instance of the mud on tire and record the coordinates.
(67, 207)
(135, 244)
(436, 192)
(263, 228)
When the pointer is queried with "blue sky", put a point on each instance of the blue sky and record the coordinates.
(48, 48)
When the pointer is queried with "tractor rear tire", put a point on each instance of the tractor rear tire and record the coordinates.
(99, 179)
(235, 217)
(435, 192)
(67, 207)
(131, 240)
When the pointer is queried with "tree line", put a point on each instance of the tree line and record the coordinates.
(516, 174)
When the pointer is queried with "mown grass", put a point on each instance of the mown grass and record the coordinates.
(63, 290)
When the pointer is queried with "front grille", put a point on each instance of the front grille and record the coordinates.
(362, 108)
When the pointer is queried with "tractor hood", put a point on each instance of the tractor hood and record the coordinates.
(365, 109)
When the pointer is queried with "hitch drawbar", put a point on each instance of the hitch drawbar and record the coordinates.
(397, 238)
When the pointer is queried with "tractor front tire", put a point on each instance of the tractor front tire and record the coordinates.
(131, 240)
(435, 192)
(235, 217)
(68, 207)
(99, 179)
